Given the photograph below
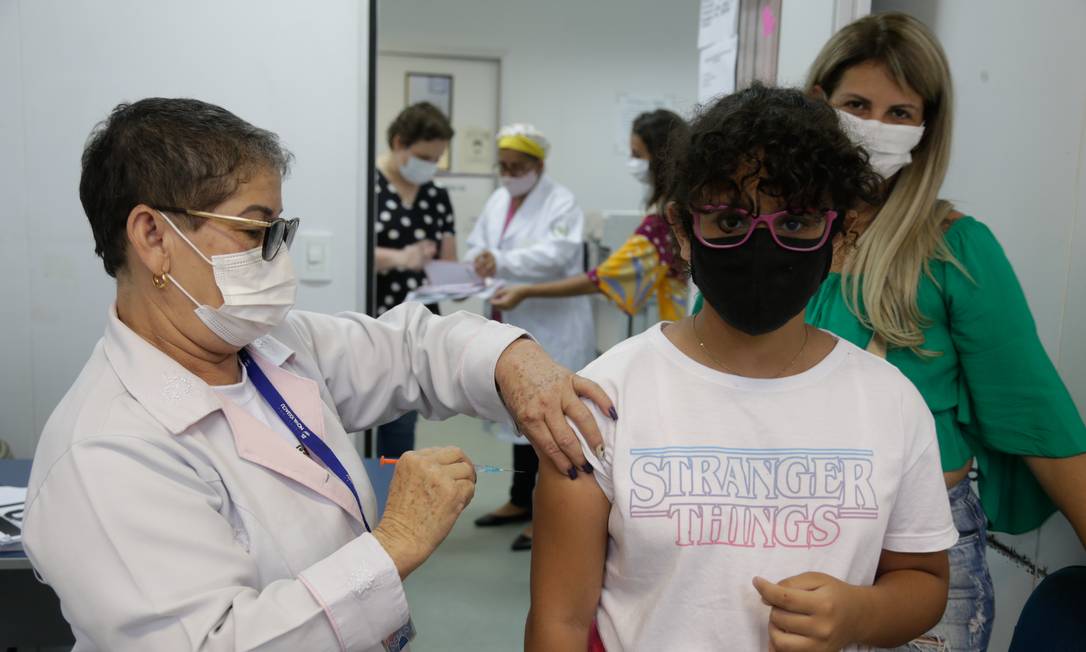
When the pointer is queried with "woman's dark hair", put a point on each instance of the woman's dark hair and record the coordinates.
(654, 128)
(420, 122)
(794, 140)
(167, 152)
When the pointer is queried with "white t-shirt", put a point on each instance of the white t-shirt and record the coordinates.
(245, 396)
(715, 478)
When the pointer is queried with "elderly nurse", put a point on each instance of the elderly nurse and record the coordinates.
(196, 488)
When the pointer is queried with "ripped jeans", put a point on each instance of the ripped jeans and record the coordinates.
(967, 622)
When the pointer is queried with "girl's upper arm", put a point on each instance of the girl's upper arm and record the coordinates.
(568, 553)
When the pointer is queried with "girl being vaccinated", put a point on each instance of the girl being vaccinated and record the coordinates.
(767, 482)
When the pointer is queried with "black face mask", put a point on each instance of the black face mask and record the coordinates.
(758, 286)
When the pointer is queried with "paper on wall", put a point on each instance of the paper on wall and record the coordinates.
(476, 150)
(716, 70)
(717, 22)
(628, 106)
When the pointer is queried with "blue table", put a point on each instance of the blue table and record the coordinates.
(30, 611)
(14, 473)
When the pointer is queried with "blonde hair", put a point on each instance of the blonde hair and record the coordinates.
(907, 232)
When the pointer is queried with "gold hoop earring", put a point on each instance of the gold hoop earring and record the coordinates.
(160, 281)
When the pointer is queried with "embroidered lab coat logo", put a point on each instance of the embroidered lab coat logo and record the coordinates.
(176, 387)
(793, 498)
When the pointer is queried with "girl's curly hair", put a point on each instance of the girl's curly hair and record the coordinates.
(793, 140)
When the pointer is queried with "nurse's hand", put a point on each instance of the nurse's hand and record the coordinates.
(429, 490)
(508, 298)
(485, 265)
(541, 394)
(415, 256)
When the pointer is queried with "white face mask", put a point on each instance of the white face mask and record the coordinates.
(889, 147)
(520, 186)
(418, 171)
(257, 294)
(638, 169)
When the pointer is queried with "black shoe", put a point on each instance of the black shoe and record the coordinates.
(522, 542)
(490, 520)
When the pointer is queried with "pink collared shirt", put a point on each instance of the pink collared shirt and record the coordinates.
(167, 518)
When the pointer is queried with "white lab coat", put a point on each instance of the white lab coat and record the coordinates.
(544, 242)
(168, 518)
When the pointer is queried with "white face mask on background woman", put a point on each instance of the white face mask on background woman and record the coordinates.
(418, 171)
(257, 294)
(520, 186)
(889, 147)
(638, 169)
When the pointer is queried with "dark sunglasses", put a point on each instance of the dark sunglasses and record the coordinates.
(277, 232)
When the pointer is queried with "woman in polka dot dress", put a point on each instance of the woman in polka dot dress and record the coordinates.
(414, 224)
(645, 265)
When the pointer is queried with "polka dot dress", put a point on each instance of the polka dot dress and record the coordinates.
(431, 218)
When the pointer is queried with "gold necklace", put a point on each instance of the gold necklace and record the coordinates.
(806, 335)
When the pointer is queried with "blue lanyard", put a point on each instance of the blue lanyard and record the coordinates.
(305, 436)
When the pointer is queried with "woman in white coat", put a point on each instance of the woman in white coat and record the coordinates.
(196, 488)
(530, 231)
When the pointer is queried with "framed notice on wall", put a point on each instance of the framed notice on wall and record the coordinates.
(435, 89)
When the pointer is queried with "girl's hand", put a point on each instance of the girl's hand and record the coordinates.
(812, 612)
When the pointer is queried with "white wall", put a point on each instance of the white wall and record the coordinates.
(564, 62)
(806, 25)
(296, 68)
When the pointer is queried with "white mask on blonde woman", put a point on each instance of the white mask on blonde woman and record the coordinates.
(889, 147)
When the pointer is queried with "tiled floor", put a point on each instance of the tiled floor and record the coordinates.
(472, 594)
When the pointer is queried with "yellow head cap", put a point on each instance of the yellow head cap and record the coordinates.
(523, 138)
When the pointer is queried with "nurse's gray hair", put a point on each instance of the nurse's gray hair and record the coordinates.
(167, 152)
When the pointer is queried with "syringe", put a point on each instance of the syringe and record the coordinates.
(479, 468)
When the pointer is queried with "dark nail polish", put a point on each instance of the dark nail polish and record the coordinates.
(614, 414)
(572, 473)
(586, 467)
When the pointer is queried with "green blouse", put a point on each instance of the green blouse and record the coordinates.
(993, 391)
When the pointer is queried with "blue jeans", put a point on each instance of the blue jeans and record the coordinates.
(967, 622)
(397, 437)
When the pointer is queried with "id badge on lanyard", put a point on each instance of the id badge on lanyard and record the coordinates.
(301, 432)
(398, 640)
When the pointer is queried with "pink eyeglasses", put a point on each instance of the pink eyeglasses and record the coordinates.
(724, 227)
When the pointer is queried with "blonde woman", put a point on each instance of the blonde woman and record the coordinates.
(940, 300)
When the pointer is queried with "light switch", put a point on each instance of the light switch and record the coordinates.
(312, 252)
